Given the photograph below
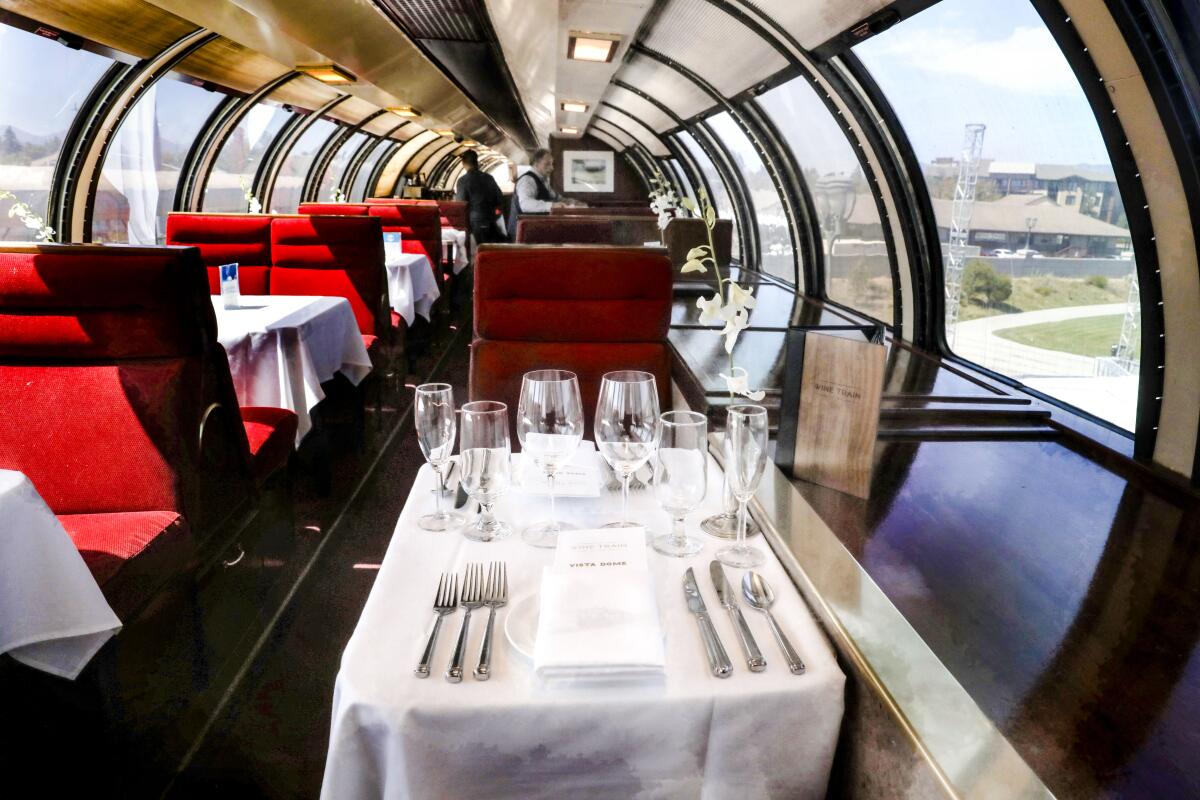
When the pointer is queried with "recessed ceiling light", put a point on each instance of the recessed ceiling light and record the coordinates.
(592, 46)
(327, 73)
(405, 111)
(569, 131)
(574, 105)
(469, 143)
(444, 132)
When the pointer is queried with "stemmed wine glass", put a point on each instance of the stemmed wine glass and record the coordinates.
(435, 422)
(745, 462)
(484, 452)
(550, 427)
(680, 477)
(626, 427)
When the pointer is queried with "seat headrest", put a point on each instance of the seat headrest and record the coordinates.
(333, 209)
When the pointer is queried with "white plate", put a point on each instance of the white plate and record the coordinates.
(520, 625)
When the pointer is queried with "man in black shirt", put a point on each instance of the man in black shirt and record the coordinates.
(483, 199)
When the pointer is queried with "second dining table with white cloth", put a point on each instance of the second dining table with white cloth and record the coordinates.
(53, 616)
(281, 349)
(459, 239)
(412, 286)
(752, 735)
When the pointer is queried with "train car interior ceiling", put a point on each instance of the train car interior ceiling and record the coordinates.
(312, 312)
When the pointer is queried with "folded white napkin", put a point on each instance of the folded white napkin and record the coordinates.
(598, 626)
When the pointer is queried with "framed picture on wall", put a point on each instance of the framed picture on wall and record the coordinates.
(587, 171)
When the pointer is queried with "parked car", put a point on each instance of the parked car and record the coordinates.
(1027, 252)
(1001, 252)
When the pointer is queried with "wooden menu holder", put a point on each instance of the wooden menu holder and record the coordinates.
(829, 416)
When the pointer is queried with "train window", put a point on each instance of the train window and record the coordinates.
(1043, 270)
(359, 190)
(31, 129)
(503, 177)
(337, 166)
(141, 169)
(233, 174)
(857, 269)
(289, 184)
(775, 241)
(681, 177)
(720, 198)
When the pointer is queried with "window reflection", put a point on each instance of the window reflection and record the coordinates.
(775, 241)
(720, 198)
(45, 84)
(337, 167)
(141, 170)
(857, 270)
(289, 184)
(1041, 260)
(233, 173)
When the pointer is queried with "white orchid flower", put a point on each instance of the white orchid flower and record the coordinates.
(663, 219)
(736, 319)
(710, 308)
(742, 298)
(739, 383)
(255, 206)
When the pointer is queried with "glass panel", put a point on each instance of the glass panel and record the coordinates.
(137, 183)
(503, 176)
(358, 190)
(337, 167)
(233, 172)
(720, 197)
(289, 184)
(857, 270)
(680, 176)
(776, 243)
(44, 86)
(1045, 278)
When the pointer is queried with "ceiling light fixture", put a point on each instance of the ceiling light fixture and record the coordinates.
(599, 47)
(405, 111)
(469, 143)
(327, 73)
(578, 106)
(444, 132)
(569, 131)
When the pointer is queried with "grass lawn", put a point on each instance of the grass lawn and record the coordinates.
(1034, 294)
(1088, 336)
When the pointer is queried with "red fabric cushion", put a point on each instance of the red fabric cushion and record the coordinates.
(416, 222)
(334, 209)
(251, 280)
(454, 213)
(271, 433)
(579, 294)
(564, 230)
(326, 283)
(224, 238)
(131, 553)
(497, 368)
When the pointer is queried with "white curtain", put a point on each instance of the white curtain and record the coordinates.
(131, 169)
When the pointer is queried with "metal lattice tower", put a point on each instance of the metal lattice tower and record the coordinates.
(1131, 329)
(960, 221)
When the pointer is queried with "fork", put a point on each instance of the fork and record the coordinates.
(495, 596)
(472, 598)
(444, 602)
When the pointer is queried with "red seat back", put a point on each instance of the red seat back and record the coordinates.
(590, 310)
(419, 225)
(108, 362)
(333, 209)
(335, 257)
(224, 239)
(564, 230)
(454, 213)
(603, 211)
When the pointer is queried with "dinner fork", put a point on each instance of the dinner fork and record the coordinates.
(495, 596)
(472, 598)
(444, 602)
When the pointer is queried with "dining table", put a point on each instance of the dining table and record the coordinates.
(760, 734)
(53, 616)
(281, 348)
(457, 238)
(411, 284)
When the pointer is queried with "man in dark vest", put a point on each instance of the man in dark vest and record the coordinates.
(483, 199)
(532, 193)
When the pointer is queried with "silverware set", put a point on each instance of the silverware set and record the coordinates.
(476, 589)
(758, 595)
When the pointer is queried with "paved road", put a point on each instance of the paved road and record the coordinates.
(977, 340)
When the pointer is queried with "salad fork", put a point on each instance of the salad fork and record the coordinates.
(472, 598)
(444, 602)
(495, 596)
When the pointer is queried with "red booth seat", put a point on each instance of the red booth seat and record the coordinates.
(590, 310)
(454, 214)
(564, 230)
(417, 221)
(602, 211)
(224, 239)
(334, 209)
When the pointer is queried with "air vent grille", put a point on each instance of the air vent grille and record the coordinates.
(446, 20)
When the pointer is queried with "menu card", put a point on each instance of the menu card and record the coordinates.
(392, 250)
(579, 477)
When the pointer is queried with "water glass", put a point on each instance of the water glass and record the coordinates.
(484, 454)
(626, 427)
(436, 424)
(549, 427)
(745, 462)
(680, 477)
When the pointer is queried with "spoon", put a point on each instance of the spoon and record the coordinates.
(759, 595)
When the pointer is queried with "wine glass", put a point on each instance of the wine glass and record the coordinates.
(435, 422)
(550, 427)
(484, 451)
(745, 462)
(680, 477)
(626, 427)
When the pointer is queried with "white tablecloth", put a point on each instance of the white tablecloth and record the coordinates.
(459, 239)
(753, 735)
(412, 287)
(53, 616)
(282, 348)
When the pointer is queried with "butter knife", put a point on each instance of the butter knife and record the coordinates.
(718, 659)
(728, 598)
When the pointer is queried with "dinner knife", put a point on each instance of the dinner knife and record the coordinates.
(718, 659)
(728, 598)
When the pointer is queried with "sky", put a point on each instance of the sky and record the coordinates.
(989, 61)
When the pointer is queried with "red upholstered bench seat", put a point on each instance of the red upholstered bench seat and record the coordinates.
(271, 434)
(226, 239)
(564, 230)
